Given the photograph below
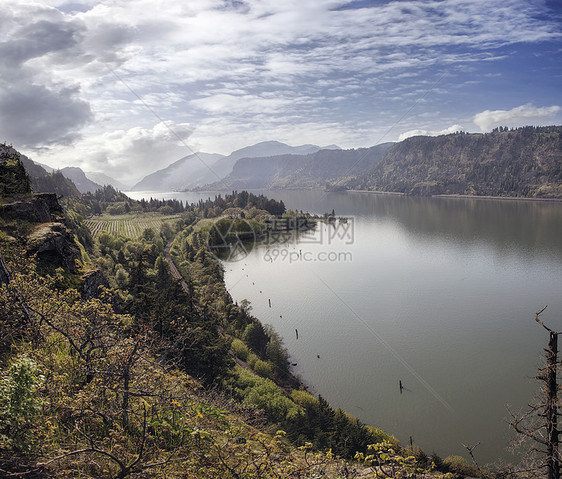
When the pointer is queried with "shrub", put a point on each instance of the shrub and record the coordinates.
(239, 349)
(304, 399)
(459, 465)
(263, 368)
(19, 403)
(264, 394)
(252, 358)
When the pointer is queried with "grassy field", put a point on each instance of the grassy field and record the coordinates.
(130, 226)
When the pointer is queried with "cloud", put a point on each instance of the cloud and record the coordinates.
(519, 116)
(126, 155)
(36, 115)
(446, 131)
(243, 70)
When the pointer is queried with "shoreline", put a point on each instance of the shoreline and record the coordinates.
(459, 196)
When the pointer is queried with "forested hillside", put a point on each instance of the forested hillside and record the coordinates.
(525, 162)
(316, 170)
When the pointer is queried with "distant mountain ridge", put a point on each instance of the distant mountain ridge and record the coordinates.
(267, 149)
(523, 162)
(79, 178)
(323, 168)
(104, 180)
(199, 169)
(189, 171)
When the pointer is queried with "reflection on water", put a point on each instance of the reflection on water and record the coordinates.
(529, 226)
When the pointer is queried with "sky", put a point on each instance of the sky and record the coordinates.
(127, 87)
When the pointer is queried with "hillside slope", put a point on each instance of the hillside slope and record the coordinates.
(40, 180)
(189, 171)
(199, 169)
(526, 162)
(316, 170)
(103, 179)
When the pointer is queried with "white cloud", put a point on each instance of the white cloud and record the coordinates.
(446, 131)
(519, 116)
(237, 71)
(126, 155)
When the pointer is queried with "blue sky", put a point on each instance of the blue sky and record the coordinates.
(129, 87)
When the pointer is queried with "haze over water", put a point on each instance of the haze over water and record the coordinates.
(437, 293)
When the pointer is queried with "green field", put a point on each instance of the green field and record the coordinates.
(130, 226)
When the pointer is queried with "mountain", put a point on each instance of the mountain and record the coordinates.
(103, 179)
(524, 162)
(14, 179)
(315, 170)
(265, 149)
(40, 180)
(79, 178)
(197, 170)
(188, 172)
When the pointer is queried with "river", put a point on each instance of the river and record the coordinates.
(437, 293)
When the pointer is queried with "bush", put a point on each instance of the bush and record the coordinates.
(263, 368)
(252, 359)
(239, 349)
(19, 403)
(304, 399)
(459, 465)
(264, 394)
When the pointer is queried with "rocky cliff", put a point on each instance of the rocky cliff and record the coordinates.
(526, 162)
(38, 223)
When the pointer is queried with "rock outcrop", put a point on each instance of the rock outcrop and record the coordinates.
(37, 208)
(54, 243)
(92, 281)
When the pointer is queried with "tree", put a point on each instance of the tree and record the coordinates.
(540, 423)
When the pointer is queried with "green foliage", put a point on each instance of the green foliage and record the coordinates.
(75, 221)
(256, 338)
(388, 461)
(239, 349)
(266, 395)
(277, 354)
(19, 403)
(13, 177)
(263, 368)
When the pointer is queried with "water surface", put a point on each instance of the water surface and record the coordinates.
(437, 293)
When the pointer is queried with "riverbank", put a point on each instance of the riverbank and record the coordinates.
(471, 197)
